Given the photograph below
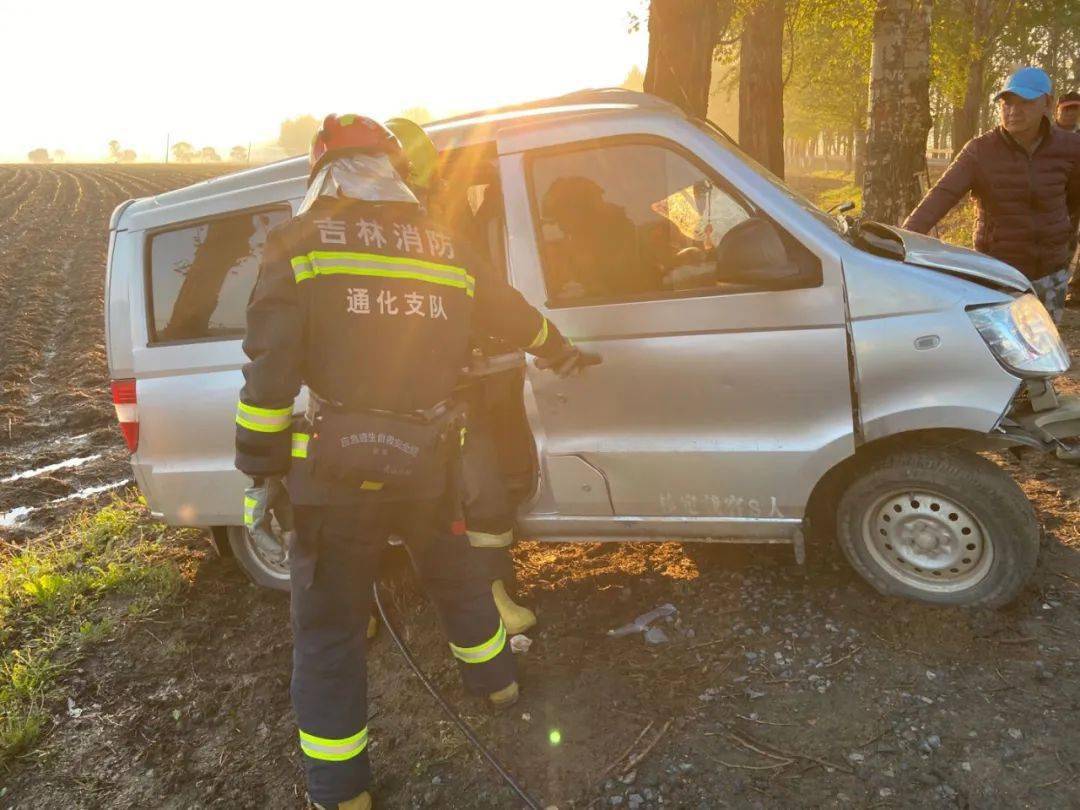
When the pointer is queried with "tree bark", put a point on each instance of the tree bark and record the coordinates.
(761, 85)
(682, 37)
(899, 109)
(966, 120)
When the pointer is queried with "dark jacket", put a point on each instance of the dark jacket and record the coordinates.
(1027, 207)
(371, 306)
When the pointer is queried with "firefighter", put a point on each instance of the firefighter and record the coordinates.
(370, 304)
(490, 512)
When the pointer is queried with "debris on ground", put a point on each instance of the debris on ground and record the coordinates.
(642, 622)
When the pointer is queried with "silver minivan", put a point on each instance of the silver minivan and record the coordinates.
(770, 372)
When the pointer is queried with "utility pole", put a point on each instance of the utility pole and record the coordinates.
(249, 153)
(168, 136)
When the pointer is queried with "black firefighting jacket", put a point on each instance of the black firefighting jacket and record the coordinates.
(371, 306)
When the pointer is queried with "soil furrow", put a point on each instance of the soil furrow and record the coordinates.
(55, 403)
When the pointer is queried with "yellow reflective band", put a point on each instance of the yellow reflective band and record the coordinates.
(302, 274)
(331, 750)
(249, 511)
(255, 411)
(374, 486)
(300, 444)
(489, 540)
(482, 653)
(541, 336)
(334, 263)
(263, 420)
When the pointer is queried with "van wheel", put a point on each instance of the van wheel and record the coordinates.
(939, 525)
(265, 564)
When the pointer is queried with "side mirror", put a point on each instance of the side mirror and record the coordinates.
(753, 253)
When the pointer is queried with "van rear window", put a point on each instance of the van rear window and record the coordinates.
(201, 275)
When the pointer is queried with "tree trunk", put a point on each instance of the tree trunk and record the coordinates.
(899, 109)
(858, 146)
(761, 85)
(1053, 47)
(682, 36)
(937, 106)
(966, 121)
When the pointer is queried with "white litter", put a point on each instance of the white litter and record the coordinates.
(642, 622)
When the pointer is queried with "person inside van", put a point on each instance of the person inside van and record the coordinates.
(597, 251)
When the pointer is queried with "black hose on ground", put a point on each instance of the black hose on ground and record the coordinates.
(470, 735)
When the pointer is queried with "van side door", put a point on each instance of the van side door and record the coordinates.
(718, 404)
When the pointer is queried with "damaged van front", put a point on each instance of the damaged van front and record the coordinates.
(1015, 327)
(952, 354)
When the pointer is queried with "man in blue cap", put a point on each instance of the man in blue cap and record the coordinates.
(1025, 178)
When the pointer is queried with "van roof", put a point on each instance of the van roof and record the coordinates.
(471, 129)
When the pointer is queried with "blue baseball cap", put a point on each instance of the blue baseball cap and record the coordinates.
(1029, 83)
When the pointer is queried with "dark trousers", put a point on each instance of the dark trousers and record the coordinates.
(333, 562)
(488, 505)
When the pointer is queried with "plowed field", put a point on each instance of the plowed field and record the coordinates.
(58, 437)
(779, 686)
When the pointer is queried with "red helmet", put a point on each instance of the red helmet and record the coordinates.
(347, 134)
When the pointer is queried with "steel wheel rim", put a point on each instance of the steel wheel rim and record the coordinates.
(274, 560)
(928, 541)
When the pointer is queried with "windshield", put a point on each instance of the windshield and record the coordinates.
(717, 134)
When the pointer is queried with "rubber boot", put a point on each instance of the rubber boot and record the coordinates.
(515, 618)
(361, 802)
(505, 697)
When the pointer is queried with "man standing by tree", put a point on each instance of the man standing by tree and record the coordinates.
(1067, 117)
(1025, 178)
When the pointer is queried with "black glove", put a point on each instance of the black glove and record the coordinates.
(569, 360)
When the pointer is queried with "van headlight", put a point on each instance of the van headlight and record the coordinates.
(1022, 335)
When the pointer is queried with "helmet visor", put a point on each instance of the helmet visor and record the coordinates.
(365, 177)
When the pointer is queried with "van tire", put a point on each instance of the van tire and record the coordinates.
(253, 563)
(939, 525)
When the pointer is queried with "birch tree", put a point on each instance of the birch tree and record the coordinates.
(899, 109)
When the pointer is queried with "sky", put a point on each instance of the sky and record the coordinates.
(78, 74)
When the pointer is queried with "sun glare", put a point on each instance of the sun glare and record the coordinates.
(143, 89)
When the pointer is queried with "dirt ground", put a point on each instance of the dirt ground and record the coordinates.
(55, 406)
(780, 685)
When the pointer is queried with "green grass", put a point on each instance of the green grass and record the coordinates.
(849, 192)
(53, 606)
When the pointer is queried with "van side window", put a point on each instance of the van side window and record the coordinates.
(201, 276)
(636, 221)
